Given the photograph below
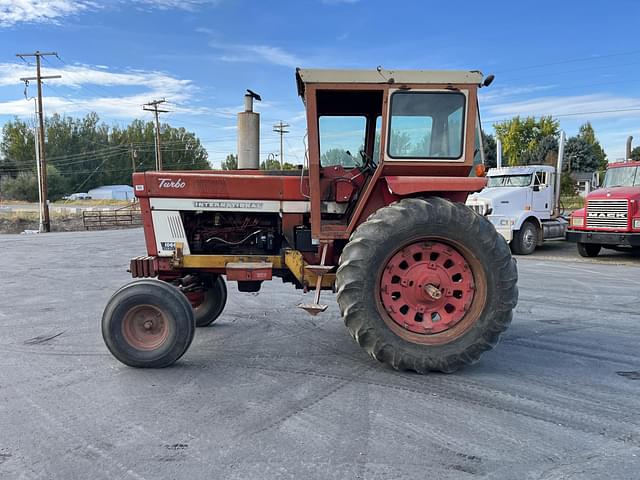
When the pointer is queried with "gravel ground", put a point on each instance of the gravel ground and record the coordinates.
(268, 392)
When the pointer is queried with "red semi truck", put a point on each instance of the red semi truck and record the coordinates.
(611, 217)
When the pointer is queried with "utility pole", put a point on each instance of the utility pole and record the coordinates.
(134, 154)
(153, 107)
(280, 128)
(42, 161)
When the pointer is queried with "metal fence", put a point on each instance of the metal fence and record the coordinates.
(123, 217)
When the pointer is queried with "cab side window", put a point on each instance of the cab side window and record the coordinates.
(540, 179)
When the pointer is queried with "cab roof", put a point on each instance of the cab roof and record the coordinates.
(520, 170)
(381, 76)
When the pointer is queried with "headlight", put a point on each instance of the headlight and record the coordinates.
(636, 223)
(576, 221)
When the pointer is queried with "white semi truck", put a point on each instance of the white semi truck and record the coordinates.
(523, 203)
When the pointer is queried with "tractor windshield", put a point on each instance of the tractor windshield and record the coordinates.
(622, 177)
(427, 125)
(509, 181)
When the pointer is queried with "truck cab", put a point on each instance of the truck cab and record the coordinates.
(520, 202)
(611, 217)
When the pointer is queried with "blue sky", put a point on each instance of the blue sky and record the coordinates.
(565, 58)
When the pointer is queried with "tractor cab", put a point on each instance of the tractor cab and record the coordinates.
(376, 136)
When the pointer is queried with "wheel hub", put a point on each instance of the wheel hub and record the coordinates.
(427, 287)
(145, 327)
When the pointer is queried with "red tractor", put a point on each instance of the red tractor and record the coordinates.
(377, 215)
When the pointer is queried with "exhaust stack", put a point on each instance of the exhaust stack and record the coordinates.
(249, 134)
(556, 199)
(628, 155)
(498, 153)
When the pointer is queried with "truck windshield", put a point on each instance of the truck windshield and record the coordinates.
(622, 177)
(510, 181)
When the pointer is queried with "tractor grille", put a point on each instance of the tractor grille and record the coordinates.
(612, 214)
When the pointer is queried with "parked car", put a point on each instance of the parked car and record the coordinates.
(77, 196)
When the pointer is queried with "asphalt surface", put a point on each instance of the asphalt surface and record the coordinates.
(268, 392)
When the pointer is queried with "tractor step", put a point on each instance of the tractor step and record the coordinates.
(313, 308)
(319, 269)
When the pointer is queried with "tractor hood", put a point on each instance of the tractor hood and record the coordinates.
(615, 193)
(502, 200)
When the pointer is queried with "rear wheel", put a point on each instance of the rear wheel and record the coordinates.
(525, 240)
(426, 285)
(148, 323)
(589, 249)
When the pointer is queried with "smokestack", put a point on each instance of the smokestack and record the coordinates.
(556, 206)
(249, 134)
(628, 155)
(498, 153)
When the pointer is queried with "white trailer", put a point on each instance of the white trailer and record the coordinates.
(523, 203)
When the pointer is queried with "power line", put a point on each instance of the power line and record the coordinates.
(573, 114)
(571, 60)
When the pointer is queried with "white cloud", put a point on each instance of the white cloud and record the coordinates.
(493, 94)
(98, 82)
(256, 54)
(178, 4)
(39, 11)
(13, 12)
(584, 107)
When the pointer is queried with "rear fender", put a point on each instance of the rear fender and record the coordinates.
(456, 188)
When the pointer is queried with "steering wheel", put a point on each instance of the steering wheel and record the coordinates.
(368, 163)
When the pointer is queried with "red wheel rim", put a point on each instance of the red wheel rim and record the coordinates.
(145, 327)
(427, 287)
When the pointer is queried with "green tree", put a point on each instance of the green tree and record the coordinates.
(580, 155)
(337, 156)
(25, 185)
(88, 153)
(521, 138)
(635, 154)
(587, 133)
(490, 150)
(230, 163)
(544, 153)
(17, 148)
(272, 164)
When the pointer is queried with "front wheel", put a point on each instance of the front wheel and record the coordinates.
(148, 323)
(525, 240)
(589, 249)
(426, 284)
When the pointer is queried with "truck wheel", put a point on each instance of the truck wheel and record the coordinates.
(148, 323)
(589, 249)
(525, 240)
(426, 284)
(211, 302)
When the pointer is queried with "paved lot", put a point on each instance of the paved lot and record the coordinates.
(268, 392)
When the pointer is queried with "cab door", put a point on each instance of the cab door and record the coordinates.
(542, 195)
